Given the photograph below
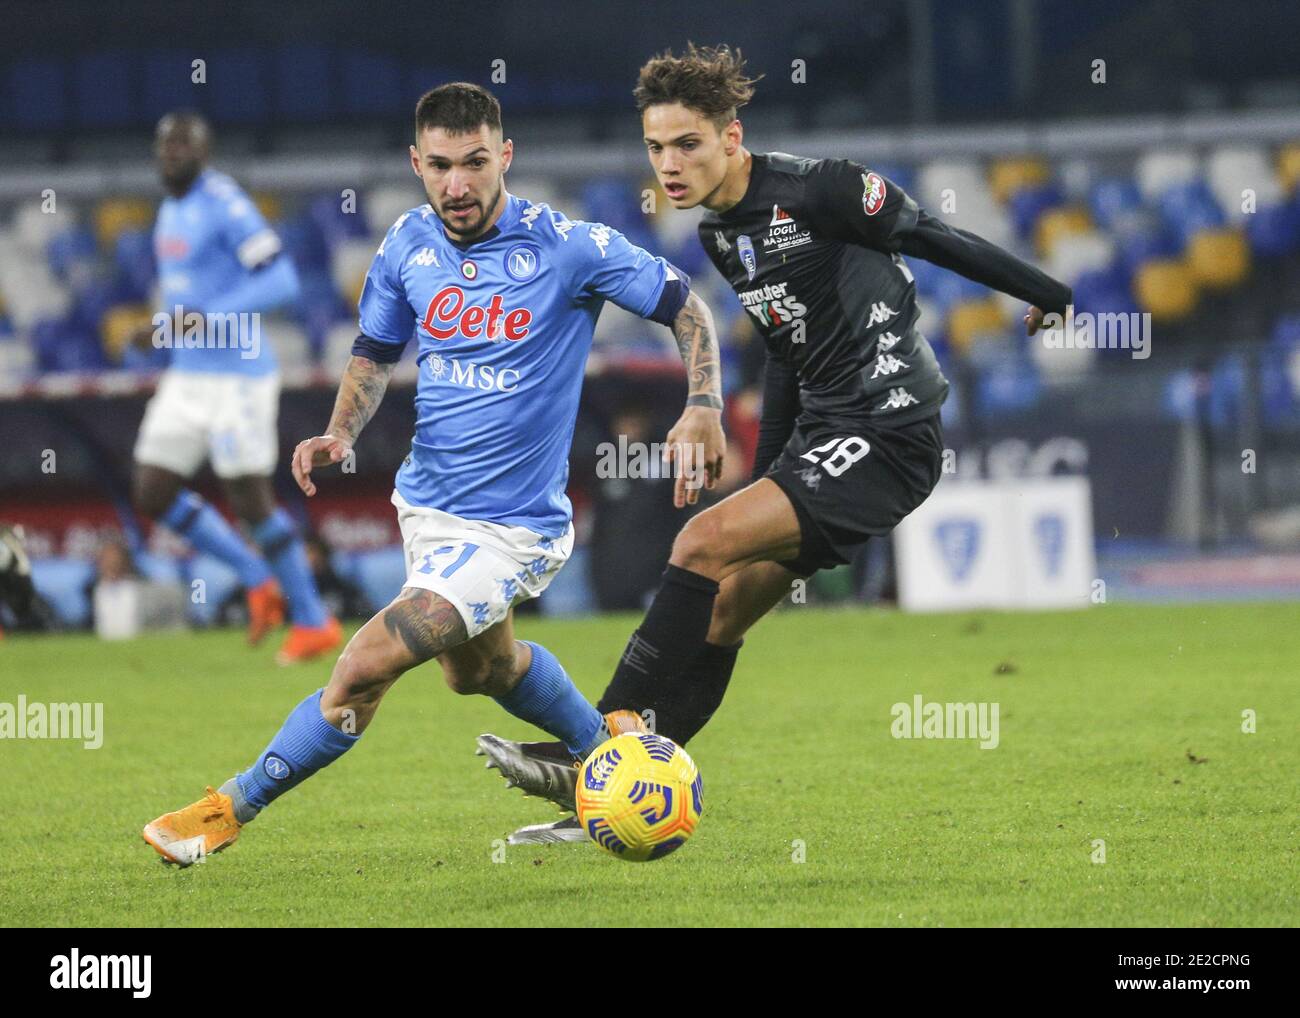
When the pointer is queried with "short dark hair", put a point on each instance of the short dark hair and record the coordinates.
(710, 81)
(458, 107)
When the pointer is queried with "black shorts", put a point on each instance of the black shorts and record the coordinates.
(850, 481)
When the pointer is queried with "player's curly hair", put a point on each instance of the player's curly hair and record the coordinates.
(710, 81)
(458, 107)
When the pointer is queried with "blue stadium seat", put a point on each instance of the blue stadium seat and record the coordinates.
(67, 345)
(133, 256)
(326, 211)
(1027, 204)
(1227, 387)
(1273, 231)
(71, 248)
(1189, 208)
(1113, 199)
(1007, 385)
(1141, 239)
(303, 242)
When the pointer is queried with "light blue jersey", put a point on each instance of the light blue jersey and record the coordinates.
(504, 325)
(217, 255)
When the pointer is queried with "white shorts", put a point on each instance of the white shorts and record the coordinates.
(228, 418)
(484, 569)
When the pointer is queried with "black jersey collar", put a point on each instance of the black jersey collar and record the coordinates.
(757, 167)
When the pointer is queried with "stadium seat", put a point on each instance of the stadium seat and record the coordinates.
(1158, 170)
(119, 323)
(1219, 259)
(1087, 251)
(1113, 200)
(1141, 239)
(66, 345)
(133, 257)
(1166, 289)
(1008, 176)
(1231, 171)
(969, 319)
(113, 215)
(1188, 209)
(1288, 167)
(1274, 230)
(349, 266)
(1027, 205)
(71, 250)
(1056, 224)
(269, 204)
(334, 223)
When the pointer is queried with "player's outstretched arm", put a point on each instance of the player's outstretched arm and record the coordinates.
(696, 441)
(360, 393)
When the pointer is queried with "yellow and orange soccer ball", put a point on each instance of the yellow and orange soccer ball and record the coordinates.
(639, 796)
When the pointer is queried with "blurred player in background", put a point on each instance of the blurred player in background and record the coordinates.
(504, 295)
(219, 266)
(849, 440)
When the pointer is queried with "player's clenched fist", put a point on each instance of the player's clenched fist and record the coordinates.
(320, 451)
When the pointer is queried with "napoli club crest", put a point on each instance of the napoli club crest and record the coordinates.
(522, 261)
(746, 248)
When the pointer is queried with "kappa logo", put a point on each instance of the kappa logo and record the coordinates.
(898, 398)
(811, 476)
(600, 236)
(888, 341)
(563, 226)
(873, 193)
(426, 256)
(888, 364)
(880, 314)
(529, 215)
(723, 244)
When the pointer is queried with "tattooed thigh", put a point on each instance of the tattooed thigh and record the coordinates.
(425, 623)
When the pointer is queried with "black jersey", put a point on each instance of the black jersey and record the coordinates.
(814, 251)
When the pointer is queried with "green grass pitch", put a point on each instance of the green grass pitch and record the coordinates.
(1122, 724)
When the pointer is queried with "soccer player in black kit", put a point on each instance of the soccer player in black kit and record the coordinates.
(850, 440)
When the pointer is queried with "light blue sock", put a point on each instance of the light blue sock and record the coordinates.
(305, 744)
(547, 698)
(280, 543)
(207, 530)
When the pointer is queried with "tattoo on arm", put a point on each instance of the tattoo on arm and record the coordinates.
(698, 343)
(360, 392)
(426, 623)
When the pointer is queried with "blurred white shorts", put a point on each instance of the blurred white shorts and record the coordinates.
(228, 418)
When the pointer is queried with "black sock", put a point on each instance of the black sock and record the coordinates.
(696, 693)
(669, 639)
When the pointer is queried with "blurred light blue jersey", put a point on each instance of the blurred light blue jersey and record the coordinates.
(217, 255)
(504, 325)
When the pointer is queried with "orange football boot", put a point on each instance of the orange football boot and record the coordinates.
(189, 835)
(265, 610)
(306, 642)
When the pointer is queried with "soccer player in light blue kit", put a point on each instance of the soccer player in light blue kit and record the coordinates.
(219, 267)
(502, 295)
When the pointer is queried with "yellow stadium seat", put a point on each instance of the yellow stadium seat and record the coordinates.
(1055, 224)
(354, 291)
(1007, 176)
(1218, 259)
(1288, 166)
(269, 205)
(117, 214)
(971, 318)
(1165, 288)
(119, 323)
